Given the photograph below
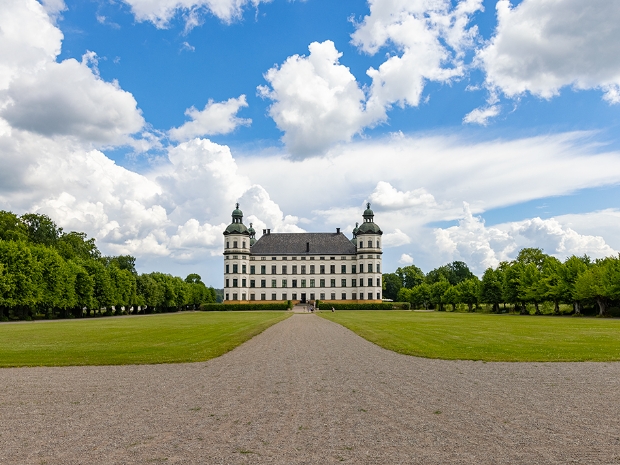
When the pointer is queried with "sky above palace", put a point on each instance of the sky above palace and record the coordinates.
(474, 127)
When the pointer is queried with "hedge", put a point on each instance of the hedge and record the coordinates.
(241, 307)
(381, 306)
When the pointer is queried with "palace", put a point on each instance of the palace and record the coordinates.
(302, 266)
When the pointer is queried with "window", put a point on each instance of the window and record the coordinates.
(332, 269)
(312, 268)
(343, 269)
(370, 244)
(252, 296)
(294, 283)
(284, 258)
(311, 296)
(378, 268)
(234, 244)
(303, 283)
(361, 267)
(242, 296)
(343, 296)
(361, 245)
(227, 246)
(284, 283)
(332, 258)
(369, 282)
(361, 282)
(294, 269)
(312, 283)
(227, 297)
(370, 267)
(252, 284)
(244, 283)
(235, 296)
(378, 296)
(322, 258)
(377, 244)
(284, 270)
(322, 296)
(303, 269)
(354, 283)
(294, 296)
(322, 269)
(354, 296)
(353, 269)
(273, 269)
(273, 258)
(378, 282)
(252, 269)
(263, 283)
(244, 269)
(244, 244)
(362, 296)
(322, 283)
(235, 284)
(227, 268)
(332, 282)
(227, 282)
(343, 283)
(263, 269)
(263, 297)
(274, 284)
(273, 297)
(333, 296)
(284, 297)
(235, 268)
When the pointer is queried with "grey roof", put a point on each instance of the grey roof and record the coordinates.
(303, 244)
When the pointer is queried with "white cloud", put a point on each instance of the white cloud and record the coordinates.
(481, 247)
(160, 12)
(388, 197)
(216, 118)
(430, 37)
(395, 239)
(481, 115)
(405, 259)
(542, 46)
(317, 100)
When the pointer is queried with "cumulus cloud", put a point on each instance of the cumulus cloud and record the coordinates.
(481, 115)
(542, 46)
(160, 12)
(481, 246)
(405, 259)
(388, 197)
(216, 118)
(395, 239)
(430, 38)
(317, 100)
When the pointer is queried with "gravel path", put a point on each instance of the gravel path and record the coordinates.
(310, 391)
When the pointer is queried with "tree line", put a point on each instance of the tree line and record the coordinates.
(527, 283)
(45, 271)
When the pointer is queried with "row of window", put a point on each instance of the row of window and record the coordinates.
(332, 296)
(302, 282)
(303, 268)
(235, 244)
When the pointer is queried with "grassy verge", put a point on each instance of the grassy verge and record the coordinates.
(508, 338)
(169, 338)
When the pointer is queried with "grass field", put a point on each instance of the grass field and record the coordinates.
(167, 338)
(510, 338)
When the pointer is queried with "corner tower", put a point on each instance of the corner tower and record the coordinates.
(236, 256)
(368, 242)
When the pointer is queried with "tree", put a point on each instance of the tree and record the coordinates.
(512, 291)
(530, 288)
(41, 229)
(491, 288)
(437, 291)
(123, 262)
(410, 276)
(193, 278)
(391, 285)
(76, 245)
(468, 292)
(451, 296)
(572, 269)
(12, 227)
(20, 277)
(589, 285)
(552, 285)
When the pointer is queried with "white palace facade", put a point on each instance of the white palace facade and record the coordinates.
(302, 266)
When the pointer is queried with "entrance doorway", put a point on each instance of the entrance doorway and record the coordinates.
(303, 298)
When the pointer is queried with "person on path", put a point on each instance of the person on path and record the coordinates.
(333, 309)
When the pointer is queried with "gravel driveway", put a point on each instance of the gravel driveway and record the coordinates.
(310, 391)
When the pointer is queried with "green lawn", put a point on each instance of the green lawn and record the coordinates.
(463, 336)
(167, 338)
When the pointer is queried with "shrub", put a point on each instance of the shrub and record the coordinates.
(346, 306)
(241, 307)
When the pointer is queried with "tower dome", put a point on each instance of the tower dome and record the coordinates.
(369, 226)
(252, 234)
(237, 226)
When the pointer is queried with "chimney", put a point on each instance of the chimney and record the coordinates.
(264, 232)
(269, 231)
(337, 230)
(307, 246)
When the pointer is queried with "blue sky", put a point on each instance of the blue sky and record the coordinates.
(474, 127)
